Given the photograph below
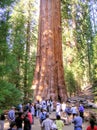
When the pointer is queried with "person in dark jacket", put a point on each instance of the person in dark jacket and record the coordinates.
(13, 126)
(27, 125)
(19, 120)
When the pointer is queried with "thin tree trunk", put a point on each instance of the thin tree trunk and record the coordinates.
(27, 54)
(49, 73)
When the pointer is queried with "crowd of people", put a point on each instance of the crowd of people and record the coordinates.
(22, 117)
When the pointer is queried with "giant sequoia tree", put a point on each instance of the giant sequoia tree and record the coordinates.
(49, 74)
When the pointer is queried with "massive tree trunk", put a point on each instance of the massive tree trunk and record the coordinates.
(49, 73)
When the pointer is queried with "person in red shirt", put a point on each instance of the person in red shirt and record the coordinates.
(30, 116)
(92, 125)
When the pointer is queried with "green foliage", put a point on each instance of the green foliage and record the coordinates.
(95, 90)
(70, 82)
(16, 62)
(66, 9)
(78, 41)
(95, 59)
(95, 67)
(23, 40)
(9, 95)
(4, 3)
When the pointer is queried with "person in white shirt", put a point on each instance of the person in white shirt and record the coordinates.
(63, 106)
(44, 105)
(58, 108)
(38, 108)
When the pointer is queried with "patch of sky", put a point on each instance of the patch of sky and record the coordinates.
(93, 14)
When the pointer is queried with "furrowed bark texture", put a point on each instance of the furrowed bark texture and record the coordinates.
(49, 73)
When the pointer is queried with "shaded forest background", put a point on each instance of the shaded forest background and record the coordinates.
(18, 46)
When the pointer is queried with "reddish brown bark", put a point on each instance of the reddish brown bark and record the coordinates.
(49, 73)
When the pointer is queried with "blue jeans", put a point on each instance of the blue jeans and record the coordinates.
(77, 128)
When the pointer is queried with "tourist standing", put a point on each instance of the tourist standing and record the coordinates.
(32, 112)
(11, 115)
(68, 113)
(63, 107)
(51, 105)
(2, 119)
(81, 111)
(38, 107)
(47, 123)
(73, 110)
(92, 125)
(27, 125)
(44, 105)
(19, 120)
(42, 115)
(59, 123)
(48, 106)
(92, 122)
(20, 108)
(58, 108)
(30, 117)
(77, 122)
